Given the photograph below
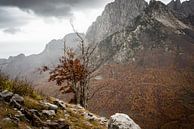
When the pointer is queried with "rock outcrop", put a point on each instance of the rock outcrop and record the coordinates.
(116, 16)
(184, 10)
(151, 30)
(122, 121)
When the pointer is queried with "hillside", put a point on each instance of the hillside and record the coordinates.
(21, 107)
(151, 71)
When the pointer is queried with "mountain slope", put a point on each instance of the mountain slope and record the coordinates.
(21, 107)
(150, 75)
(155, 30)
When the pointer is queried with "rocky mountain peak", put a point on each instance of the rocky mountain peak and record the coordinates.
(175, 4)
(54, 45)
(18, 57)
(164, 15)
(183, 10)
(116, 16)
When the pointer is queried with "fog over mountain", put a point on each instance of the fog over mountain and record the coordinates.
(148, 74)
(19, 20)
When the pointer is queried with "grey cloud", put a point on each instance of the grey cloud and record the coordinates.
(11, 18)
(12, 30)
(57, 8)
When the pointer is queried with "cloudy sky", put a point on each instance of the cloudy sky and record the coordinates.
(26, 26)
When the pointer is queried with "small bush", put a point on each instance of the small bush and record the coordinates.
(3, 80)
(23, 88)
(32, 103)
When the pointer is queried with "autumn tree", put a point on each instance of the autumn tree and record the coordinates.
(75, 70)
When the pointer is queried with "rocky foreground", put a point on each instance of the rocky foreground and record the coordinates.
(51, 113)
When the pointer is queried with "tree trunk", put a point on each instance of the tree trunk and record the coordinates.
(84, 93)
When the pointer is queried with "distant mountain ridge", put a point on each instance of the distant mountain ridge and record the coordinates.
(26, 66)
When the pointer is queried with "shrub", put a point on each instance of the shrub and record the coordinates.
(21, 87)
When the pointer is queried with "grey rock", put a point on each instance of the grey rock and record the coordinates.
(28, 127)
(6, 95)
(59, 103)
(49, 112)
(90, 116)
(49, 105)
(17, 98)
(57, 125)
(122, 121)
(102, 120)
(36, 112)
(20, 115)
(15, 104)
(184, 9)
(7, 119)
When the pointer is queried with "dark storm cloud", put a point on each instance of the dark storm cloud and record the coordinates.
(57, 8)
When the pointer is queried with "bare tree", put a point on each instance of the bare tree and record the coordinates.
(76, 69)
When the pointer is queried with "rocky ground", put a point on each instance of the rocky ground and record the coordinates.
(45, 113)
(17, 112)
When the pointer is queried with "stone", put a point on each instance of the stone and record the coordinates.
(17, 98)
(51, 106)
(20, 115)
(28, 127)
(34, 111)
(90, 116)
(59, 103)
(7, 119)
(122, 121)
(6, 95)
(103, 120)
(49, 112)
(15, 104)
(57, 125)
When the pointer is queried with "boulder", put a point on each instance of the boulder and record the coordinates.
(122, 121)
(6, 95)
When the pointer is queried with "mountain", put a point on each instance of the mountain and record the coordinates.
(184, 10)
(115, 17)
(156, 29)
(149, 74)
(27, 66)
